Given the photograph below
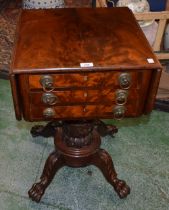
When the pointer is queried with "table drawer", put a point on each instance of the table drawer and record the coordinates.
(76, 80)
(68, 97)
(79, 111)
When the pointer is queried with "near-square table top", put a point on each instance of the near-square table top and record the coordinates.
(97, 38)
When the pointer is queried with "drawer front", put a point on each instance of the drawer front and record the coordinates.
(79, 80)
(72, 112)
(95, 101)
(68, 97)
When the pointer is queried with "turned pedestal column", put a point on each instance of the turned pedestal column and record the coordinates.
(77, 144)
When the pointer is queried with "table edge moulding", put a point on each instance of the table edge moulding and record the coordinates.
(86, 64)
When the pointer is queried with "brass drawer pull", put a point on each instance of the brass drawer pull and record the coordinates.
(119, 112)
(125, 80)
(49, 98)
(48, 113)
(47, 83)
(121, 97)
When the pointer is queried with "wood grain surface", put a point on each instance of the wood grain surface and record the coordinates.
(55, 42)
(63, 38)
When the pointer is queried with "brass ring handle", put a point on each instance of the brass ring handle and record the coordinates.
(48, 112)
(121, 97)
(119, 112)
(125, 80)
(47, 83)
(49, 98)
(48, 89)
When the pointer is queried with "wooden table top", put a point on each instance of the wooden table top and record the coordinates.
(62, 39)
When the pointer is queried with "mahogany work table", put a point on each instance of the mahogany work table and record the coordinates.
(73, 67)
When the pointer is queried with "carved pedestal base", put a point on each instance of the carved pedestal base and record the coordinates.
(77, 144)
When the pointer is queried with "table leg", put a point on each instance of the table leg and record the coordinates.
(52, 165)
(103, 161)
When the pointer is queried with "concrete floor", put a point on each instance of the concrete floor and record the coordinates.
(140, 151)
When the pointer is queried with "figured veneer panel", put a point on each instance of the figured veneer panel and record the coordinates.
(67, 97)
(96, 79)
(60, 80)
(79, 112)
(106, 37)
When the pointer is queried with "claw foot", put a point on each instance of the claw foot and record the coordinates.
(121, 188)
(36, 192)
(111, 129)
(104, 129)
(37, 130)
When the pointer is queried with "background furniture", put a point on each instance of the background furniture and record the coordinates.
(43, 4)
(79, 3)
(167, 5)
(162, 18)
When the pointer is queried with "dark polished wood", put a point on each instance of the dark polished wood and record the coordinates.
(49, 130)
(46, 131)
(77, 144)
(112, 42)
(74, 36)
(73, 67)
